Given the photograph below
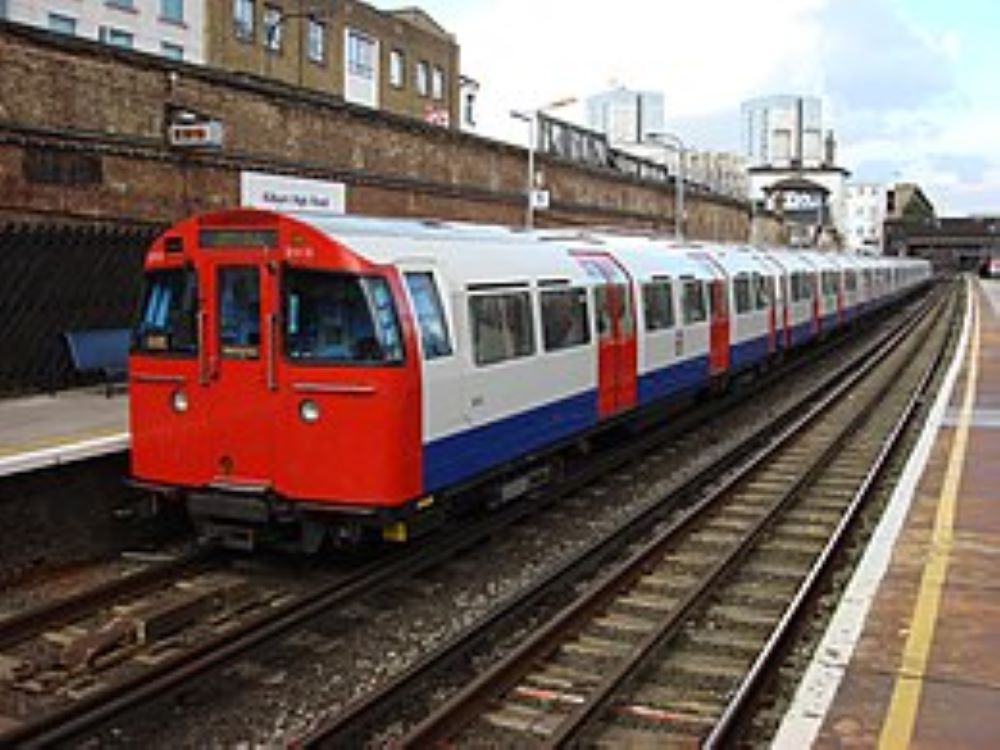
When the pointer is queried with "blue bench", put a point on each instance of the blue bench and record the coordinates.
(101, 349)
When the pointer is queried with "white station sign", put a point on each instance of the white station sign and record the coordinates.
(276, 192)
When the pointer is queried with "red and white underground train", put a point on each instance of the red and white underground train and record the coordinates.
(345, 377)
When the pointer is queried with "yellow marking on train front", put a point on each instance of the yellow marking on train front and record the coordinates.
(897, 730)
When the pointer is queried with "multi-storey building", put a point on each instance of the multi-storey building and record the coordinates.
(865, 215)
(625, 116)
(172, 28)
(401, 61)
(783, 131)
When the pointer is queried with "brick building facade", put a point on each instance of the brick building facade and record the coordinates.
(83, 136)
(398, 61)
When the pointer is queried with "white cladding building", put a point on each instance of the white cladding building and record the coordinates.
(171, 28)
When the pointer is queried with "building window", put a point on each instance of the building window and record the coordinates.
(317, 40)
(122, 4)
(272, 28)
(437, 83)
(360, 55)
(62, 24)
(470, 108)
(422, 76)
(172, 10)
(116, 37)
(172, 51)
(397, 68)
(243, 12)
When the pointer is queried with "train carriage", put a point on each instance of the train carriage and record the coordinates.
(330, 378)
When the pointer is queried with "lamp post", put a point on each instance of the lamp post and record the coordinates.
(272, 39)
(531, 117)
(671, 140)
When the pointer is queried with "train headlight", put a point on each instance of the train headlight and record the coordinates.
(309, 411)
(179, 401)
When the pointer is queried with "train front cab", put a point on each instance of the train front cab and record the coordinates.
(270, 363)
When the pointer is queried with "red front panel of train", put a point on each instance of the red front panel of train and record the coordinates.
(300, 376)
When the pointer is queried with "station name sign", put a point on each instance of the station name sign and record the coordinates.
(285, 194)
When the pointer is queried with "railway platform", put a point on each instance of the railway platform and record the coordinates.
(910, 657)
(41, 431)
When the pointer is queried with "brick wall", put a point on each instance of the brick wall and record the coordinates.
(63, 98)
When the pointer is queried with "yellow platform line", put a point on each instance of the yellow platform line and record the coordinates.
(57, 441)
(897, 731)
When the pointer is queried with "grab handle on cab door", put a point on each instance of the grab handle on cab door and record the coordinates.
(272, 342)
(203, 366)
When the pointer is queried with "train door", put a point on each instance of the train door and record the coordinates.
(719, 322)
(614, 309)
(239, 330)
(718, 357)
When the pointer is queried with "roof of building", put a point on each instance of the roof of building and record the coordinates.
(422, 20)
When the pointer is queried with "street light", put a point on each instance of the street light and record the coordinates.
(671, 140)
(531, 117)
(272, 32)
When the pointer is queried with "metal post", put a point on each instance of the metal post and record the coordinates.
(671, 140)
(529, 217)
(531, 117)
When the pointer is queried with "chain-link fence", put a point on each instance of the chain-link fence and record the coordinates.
(56, 278)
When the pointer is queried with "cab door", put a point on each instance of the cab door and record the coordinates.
(239, 371)
(614, 309)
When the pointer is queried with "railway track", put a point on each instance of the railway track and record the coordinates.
(128, 675)
(532, 705)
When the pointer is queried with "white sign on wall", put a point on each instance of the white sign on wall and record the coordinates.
(276, 192)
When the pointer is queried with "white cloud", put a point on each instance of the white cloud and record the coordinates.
(892, 89)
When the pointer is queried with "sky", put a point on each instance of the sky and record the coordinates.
(911, 88)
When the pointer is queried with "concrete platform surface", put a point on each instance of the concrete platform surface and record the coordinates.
(911, 659)
(40, 431)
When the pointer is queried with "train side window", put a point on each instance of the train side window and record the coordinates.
(741, 290)
(564, 318)
(502, 327)
(430, 314)
(239, 311)
(761, 291)
(167, 317)
(695, 309)
(658, 304)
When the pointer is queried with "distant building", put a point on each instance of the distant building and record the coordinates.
(783, 131)
(171, 28)
(400, 61)
(793, 169)
(865, 215)
(625, 116)
(720, 171)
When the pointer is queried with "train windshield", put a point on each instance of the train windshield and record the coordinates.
(340, 318)
(168, 313)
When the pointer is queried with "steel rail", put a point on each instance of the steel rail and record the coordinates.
(581, 716)
(29, 623)
(464, 705)
(348, 725)
(736, 710)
